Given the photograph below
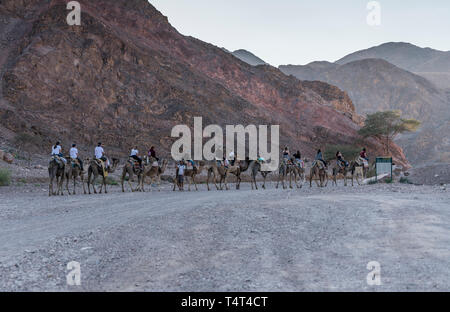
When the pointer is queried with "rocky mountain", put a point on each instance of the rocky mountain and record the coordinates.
(375, 84)
(126, 77)
(248, 57)
(432, 64)
(406, 56)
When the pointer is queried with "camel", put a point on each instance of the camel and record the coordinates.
(130, 170)
(73, 171)
(56, 170)
(190, 175)
(360, 163)
(283, 170)
(294, 172)
(216, 171)
(237, 169)
(319, 171)
(96, 169)
(347, 172)
(254, 167)
(154, 172)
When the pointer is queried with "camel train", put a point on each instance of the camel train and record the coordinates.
(216, 173)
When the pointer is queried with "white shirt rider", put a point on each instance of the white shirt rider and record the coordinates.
(134, 152)
(56, 150)
(73, 153)
(99, 152)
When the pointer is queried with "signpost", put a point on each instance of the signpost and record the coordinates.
(383, 165)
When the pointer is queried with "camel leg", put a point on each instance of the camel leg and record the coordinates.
(67, 184)
(195, 183)
(264, 180)
(254, 180)
(74, 184)
(50, 187)
(82, 182)
(104, 183)
(61, 180)
(225, 181)
(207, 181)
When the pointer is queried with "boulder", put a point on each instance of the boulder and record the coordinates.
(9, 158)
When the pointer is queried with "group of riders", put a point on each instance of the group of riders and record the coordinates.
(99, 155)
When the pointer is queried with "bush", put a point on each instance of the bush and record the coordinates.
(404, 180)
(5, 177)
(109, 181)
(372, 182)
(389, 180)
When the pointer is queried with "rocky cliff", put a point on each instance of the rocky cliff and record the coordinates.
(126, 77)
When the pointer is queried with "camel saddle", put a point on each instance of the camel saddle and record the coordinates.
(75, 163)
(135, 164)
(319, 164)
(362, 162)
(58, 160)
(300, 163)
(101, 163)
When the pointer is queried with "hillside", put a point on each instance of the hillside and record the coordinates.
(126, 77)
(375, 84)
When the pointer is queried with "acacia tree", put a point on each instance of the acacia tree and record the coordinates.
(25, 143)
(386, 126)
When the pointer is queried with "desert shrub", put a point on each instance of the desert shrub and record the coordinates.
(5, 177)
(405, 180)
(372, 182)
(389, 180)
(350, 152)
(371, 173)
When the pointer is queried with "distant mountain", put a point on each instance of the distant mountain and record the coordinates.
(376, 85)
(429, 63)
(248, 57)
(406, 56)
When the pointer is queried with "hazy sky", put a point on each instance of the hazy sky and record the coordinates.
(300, 31)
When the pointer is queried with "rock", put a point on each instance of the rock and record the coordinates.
(9, 158)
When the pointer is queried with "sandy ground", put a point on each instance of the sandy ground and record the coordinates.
(238, 240)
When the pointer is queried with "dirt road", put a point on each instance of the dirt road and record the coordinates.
(273, 240)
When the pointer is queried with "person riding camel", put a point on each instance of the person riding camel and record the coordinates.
(74, 155)
(226, 163)
(152, 153)
(232, 158)
(134, 154)
(298, 159)
(342, 163)
(99, 153)
(363, 156)
(57, 151)
(286, 154)
(319, 157)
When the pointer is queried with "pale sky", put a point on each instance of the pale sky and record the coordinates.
(302, 31)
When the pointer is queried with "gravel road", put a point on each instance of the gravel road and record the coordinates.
(273, 240)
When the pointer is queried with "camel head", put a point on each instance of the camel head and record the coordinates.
(115, 163)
